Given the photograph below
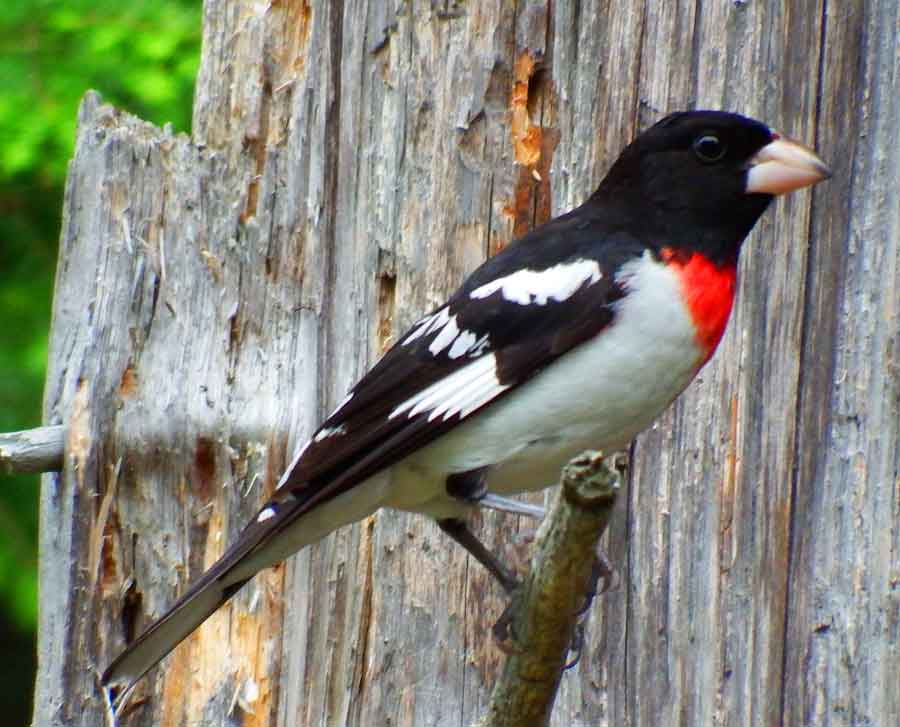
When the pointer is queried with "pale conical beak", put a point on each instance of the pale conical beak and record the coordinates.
(782, 166)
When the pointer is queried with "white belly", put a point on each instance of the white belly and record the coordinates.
(599, 395)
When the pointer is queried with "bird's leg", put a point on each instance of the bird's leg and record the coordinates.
(459, 531)
(514, 507)
(471, 487)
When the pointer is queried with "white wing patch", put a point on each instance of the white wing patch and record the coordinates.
(465, 342)
(527, 287)
(427, 325)
(448, 335)
(326, 432)
(462, 392)
(266, 514)
(342, 404)
(290, 467)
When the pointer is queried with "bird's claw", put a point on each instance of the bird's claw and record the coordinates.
(604, 578)
(504, 629)
(576, 646)
(517, 550)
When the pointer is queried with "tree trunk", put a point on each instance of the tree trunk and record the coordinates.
(349, 164)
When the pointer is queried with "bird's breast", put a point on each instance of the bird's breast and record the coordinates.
(708, 291)
(600, 394)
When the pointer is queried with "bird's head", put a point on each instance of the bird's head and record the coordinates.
(701, 179)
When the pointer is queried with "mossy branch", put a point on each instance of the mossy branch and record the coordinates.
(545, 612)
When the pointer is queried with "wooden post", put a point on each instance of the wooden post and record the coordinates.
(349, 164)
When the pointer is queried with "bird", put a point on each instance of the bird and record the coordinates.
(577, 335)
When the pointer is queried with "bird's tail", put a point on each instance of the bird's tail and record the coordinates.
(279, 529)
(283, 526)
(220, 582)
(192, 609)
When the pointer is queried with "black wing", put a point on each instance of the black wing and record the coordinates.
(491, 326)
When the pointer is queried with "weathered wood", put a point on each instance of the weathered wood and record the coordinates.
(349, 163)
(32, 450)
(842, 637)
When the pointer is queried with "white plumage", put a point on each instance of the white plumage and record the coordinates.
(599, 395)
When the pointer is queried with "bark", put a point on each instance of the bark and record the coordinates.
(349, 164)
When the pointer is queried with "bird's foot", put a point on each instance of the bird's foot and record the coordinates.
(507, 640)
(576, 646)
(504, 629)
(517, 550)
(604, 578)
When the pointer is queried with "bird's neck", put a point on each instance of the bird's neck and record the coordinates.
(717, 233)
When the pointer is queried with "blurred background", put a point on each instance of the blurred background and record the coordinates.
(142, 57)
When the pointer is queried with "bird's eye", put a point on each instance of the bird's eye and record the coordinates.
(709, 148)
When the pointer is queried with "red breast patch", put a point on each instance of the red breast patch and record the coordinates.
(709, 293)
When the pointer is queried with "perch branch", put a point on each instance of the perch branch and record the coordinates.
(545, 611)
(32, 450)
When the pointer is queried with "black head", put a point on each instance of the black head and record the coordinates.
(684, 183)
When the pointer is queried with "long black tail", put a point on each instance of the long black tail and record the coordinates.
(200, 601)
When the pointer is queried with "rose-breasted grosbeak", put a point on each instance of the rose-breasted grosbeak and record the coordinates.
(575, 336)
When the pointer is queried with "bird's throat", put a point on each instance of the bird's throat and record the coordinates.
(708, 290)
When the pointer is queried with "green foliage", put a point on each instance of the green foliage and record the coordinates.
(141, 56)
